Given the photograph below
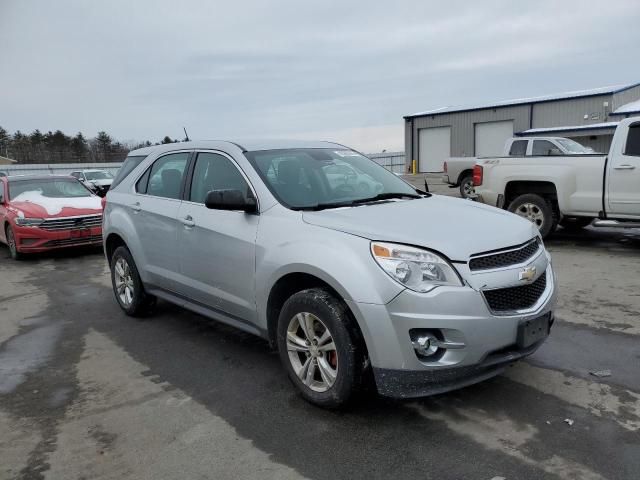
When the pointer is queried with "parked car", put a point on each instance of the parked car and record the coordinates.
(551, 187)
(41, 213)
(98, 181)
(458, 171)
(343, 284)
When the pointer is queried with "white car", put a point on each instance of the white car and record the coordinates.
(98, 181)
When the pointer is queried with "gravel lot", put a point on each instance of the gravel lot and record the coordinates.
(86, 392)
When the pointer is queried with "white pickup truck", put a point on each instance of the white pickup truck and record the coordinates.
(550, 187)
(458, 171)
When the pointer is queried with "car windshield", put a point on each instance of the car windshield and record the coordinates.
(98, 175)
(573, 147)
(52, 188)
(315, 178)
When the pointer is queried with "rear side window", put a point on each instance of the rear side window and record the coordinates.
(127, 167)
(544, 148)
(215, 172)
(518, 148)
(633, 141)
(165, 179)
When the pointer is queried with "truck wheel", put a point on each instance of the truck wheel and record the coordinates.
(466, 186)
(575, 223)
(11, 243)
(320, 348)
(537, 210)
(127, 285)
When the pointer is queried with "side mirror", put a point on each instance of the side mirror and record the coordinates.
(230, 200)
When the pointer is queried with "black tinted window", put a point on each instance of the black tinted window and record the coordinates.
(518, 148)
(165, 179)
(127, 167)
(544, 148)
(633, 141)
(215, 172)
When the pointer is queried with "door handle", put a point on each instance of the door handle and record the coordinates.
(136, 207)
(188, 221)
(624, 167)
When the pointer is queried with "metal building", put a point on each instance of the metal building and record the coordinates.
(587, 116)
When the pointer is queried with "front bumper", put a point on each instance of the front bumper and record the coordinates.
(34, 240)
(460, 315)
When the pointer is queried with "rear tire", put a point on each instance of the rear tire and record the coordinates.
(305, 319)
(11, 243)
(466, 186)
(537, 210)
(127, 285)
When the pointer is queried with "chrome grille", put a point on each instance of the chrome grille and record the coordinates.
(72, 223)
(521, 297)
(505, 258)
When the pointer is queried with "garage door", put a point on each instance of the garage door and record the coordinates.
(434, 148)
(491, 136)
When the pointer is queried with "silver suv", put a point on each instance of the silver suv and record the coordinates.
(427, 293)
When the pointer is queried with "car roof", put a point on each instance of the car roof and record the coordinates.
(244, 145)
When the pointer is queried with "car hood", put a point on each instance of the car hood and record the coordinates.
(35, 205)
(455, 227)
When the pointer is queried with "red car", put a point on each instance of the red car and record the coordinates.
(46, 212)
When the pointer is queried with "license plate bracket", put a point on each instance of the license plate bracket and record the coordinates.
(532, 331)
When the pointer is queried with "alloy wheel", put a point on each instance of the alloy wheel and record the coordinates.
(312, 352)
(11, 242)
(468, 189)
(123, 282)
(531, 212)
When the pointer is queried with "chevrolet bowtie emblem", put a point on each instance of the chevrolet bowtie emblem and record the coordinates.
(527, 274)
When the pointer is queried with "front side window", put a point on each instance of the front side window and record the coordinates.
(518, 148)
(33, 189)
(165, 179)
(308, 178)
(216, 172)
(544, 148)
(574, 148)
(633, 141)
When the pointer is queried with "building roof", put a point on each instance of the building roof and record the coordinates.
(6, 161)
(627, 108)
(524, 101)
(593, 126)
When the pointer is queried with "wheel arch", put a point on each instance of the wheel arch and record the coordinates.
(464, 173)
(545, 189)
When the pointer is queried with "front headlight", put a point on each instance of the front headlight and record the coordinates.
(415, 268)
(29, 222)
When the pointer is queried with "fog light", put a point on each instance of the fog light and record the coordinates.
(430, 344)
(426, 345)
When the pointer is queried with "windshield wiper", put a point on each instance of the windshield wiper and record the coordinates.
(385, 196)
(360, 201)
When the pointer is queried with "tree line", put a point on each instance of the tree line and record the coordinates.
(57, 147)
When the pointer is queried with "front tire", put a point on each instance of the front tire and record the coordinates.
(537, 210)
(320, 347)
(127, 285)
(11, 243)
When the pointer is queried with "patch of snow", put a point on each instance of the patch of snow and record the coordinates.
(54, 205)
(633, 107)
(570, 128)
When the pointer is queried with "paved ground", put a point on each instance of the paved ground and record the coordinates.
(86, 392)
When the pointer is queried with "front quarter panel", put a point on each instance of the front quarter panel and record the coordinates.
(285, 244)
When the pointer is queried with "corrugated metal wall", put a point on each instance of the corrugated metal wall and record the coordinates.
(56, 168)
(392, 161)
(560, 113)
(463, 127)
(628, 96)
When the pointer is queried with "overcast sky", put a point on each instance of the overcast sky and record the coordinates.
(334, 70)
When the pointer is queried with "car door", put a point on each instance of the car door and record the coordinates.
(217, 247)
(155, 211)
(624, 176)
